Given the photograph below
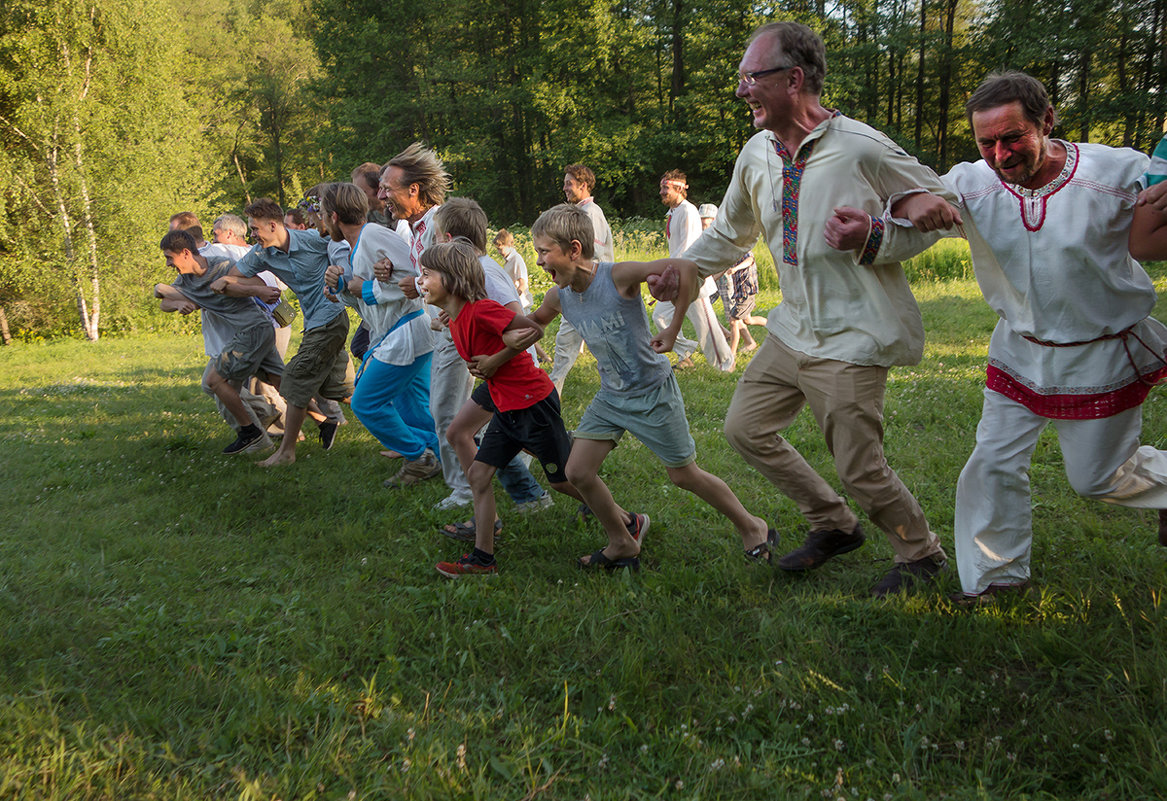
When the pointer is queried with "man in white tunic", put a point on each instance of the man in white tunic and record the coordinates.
(682, 227)
(578, 183)
(1052, 226)
(845, 317)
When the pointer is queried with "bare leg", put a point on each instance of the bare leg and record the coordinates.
(583, 472)
(466, 423)
(717, 494)
(479, 474)
(286, 454)
(229, 396)
(735, 334)
(314, 412)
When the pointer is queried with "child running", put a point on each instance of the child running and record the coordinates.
(638, 390)
(520, 395)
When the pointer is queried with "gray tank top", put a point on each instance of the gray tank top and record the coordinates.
(616, 330)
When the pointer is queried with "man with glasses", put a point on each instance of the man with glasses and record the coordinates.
(846, 317)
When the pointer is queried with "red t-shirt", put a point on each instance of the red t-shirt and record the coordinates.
(477, 331)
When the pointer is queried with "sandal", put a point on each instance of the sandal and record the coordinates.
(764, 551)
(598, 559)
(465, 531)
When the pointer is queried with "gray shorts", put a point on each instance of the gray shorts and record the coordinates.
(656, 418)
(251, 351)
(321, 366)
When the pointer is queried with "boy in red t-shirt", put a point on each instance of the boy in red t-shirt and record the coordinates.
(521, 397)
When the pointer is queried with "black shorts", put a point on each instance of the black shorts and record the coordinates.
(537, 429)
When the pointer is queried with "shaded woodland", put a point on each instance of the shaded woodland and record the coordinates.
(116, 113)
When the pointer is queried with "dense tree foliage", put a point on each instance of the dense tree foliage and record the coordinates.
(115, 113)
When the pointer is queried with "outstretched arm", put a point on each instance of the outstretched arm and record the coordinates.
(237, 285)
(629, 275)
(548, 310)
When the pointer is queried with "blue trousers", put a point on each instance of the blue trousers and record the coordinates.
(393, 402)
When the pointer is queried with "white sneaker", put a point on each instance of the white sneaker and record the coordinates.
(544, 501)
(453, 501)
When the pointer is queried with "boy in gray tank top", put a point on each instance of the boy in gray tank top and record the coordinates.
(638, 391)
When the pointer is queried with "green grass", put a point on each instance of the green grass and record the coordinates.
(179, 625)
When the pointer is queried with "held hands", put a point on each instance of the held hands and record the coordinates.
(219, 285)
(408, 285)
(1155, 197)
(383, 270)
(184, 306)
(268, 294)
(664, 341)
(665, 286)
(485, 366)
(332, 276)
(848, 229)
(927, 212)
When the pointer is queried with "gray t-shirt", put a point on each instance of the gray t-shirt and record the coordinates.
(616, 330)
(239, 313)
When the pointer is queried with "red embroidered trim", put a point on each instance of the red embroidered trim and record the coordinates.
(1022, 199)
(1073, 407)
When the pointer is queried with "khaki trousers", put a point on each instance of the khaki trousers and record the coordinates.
(847, 402)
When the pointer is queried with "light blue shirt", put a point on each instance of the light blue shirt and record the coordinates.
(302, 269)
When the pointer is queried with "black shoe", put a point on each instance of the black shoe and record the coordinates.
(327, 434)
(250, 439)
(819, 547)
(905, 574)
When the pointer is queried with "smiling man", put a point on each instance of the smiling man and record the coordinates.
(845, 318)
(1054, 228)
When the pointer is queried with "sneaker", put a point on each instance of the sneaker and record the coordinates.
(327, 434)
(638, 528)
(453, 501)
(544, 501)
(468, 565)
(906, 574)
(415, 471)
(249, 443)
(819, 547)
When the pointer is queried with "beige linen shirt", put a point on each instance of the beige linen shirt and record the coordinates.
(841, 305)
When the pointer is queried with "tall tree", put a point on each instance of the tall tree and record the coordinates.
(91, 119)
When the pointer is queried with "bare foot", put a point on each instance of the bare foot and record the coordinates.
(750, 347)
(391, 454)
(278, 458)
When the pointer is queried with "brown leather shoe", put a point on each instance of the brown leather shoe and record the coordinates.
(819, 547)
(905, 575)
(990, 595)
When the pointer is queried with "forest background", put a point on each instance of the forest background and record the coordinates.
(116, 113)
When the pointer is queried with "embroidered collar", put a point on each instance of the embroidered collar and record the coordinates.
(1033, 201)
(1058, 182)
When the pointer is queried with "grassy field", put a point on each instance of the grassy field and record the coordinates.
(175, 624)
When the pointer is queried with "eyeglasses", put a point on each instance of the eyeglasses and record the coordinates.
(751, 78)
